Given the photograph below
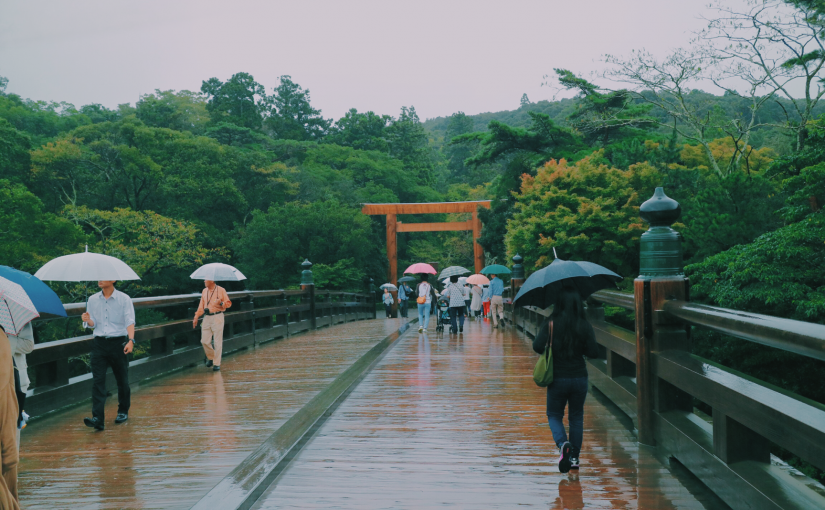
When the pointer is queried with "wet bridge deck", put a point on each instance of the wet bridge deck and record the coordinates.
(440, 421)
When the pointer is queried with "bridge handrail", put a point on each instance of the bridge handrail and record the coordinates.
(175, 344)
(74, 309)
(624, 300)
(799, 337)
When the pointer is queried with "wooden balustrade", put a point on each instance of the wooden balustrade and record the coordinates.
(175, 344)
(730, 450)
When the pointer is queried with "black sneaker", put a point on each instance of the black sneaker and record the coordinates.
(95, 423)
(574, 463)
(564, 458)
(216, 368)
(461, 330)
(121, 417)
(208, 363)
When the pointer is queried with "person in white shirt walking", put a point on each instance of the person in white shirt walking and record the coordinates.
(112, 315)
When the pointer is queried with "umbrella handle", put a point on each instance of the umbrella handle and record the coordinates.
(86, 297)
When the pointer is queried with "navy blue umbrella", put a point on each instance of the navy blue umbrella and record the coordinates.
(44, 299)
(541, 288)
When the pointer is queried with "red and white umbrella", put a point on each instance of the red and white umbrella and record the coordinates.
(16, 309)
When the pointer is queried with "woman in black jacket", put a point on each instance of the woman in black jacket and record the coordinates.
(572, 338)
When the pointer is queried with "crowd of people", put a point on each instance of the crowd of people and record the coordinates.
(462, 299)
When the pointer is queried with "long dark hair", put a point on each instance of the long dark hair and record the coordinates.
(569, 321)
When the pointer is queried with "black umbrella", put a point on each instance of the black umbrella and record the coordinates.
(541, 287)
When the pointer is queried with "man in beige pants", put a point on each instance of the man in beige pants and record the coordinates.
(214, 301)
(8, 428)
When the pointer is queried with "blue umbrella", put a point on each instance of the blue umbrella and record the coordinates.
(541, 287)
(44, 299)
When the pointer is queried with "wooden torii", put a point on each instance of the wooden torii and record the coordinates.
(394, 226)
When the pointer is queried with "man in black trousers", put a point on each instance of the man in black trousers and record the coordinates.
(112, 315)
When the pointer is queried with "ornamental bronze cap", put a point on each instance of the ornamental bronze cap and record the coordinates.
(660, 210)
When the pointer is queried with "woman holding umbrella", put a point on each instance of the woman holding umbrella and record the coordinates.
(570, 338)
(388, 301)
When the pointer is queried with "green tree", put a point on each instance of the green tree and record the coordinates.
(520, 151)
(161, 250)
(605, 117)
(585, 210)
(292, 117)
(410, 144)
(30, 235)
(459, 124)
(15, 161)
(181, 111)
(240, 100)
(274, 243)
(98, 113)
(366, 131)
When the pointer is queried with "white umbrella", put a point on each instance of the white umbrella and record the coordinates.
(217, 272)
(16, 309)
(388, 286)
(86, 267)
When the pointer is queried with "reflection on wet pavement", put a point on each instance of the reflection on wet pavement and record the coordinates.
(456, 421)
(185, 431)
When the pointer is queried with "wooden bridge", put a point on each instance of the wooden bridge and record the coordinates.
(323, 404)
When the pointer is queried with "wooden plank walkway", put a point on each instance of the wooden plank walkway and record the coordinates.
(458, 422)
(185, 431)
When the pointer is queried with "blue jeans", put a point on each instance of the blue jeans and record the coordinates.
(567, 392)
(456, 315)
(424, 315)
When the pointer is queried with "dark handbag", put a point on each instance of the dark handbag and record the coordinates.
(543, 373)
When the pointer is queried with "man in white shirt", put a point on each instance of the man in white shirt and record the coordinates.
(112, 315)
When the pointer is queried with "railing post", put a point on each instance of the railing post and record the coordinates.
(248, 305)
(371, 292)
(53, 373)
(516, 281)
(661, 277)
(308, 285)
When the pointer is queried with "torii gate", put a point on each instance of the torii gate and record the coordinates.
(394, 226)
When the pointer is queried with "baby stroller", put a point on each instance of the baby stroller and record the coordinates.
(443, 314)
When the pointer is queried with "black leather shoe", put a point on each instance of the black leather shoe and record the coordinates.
(95, 423)
(121, 417)
(208, 363)
(216, 368)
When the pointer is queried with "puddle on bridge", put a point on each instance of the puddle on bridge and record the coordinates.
(185, 431)
(458, 422)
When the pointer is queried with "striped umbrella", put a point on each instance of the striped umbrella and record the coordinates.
(453, 271)
(16, 309)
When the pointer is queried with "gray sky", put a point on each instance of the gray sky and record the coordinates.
(439, 56)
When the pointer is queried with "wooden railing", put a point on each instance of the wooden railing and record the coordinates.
(730, 450)
(175, 344)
